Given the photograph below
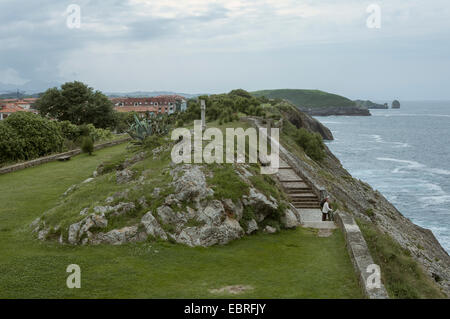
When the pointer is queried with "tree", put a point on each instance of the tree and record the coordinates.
(77, 103)
(87, 145)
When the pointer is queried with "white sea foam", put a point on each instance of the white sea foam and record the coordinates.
(409, 164)
(412, 114)
(435, 200)
(432, 187)
(332, 122)
(378, 139)
(412, 165)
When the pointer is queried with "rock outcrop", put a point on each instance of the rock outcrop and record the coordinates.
(336, 110)
(190, 215)
(371, 105)
(395, 104)
(300, 119)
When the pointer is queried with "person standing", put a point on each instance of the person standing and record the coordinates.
(326, 209)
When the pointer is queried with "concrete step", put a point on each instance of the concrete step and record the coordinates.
(305, 201)
(303, 195)
(320, 225)
(291, 185)
(302, 206)
(283, 164)
(298, 190)
(306, 205)
(310, 201)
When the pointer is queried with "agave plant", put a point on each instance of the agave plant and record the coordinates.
(141, 129)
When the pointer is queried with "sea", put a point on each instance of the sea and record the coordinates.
(403, 153)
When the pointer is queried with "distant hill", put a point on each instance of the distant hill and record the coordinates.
(306, 98)
(21, 95)
(316, 102)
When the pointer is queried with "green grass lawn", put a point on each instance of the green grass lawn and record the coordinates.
(291, 264)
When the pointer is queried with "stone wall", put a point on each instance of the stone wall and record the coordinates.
(54, 157)
(360, 255)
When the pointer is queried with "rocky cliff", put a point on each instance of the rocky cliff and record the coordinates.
(371, 105)
(301, 119)
(371, 207)
(336, 110)
(315, 102)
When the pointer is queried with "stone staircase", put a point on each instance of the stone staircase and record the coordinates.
(303, 198)
(300, 193)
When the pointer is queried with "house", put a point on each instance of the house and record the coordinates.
(163, 104)
(6, 109)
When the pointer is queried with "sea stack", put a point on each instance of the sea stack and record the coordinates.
(395, 104)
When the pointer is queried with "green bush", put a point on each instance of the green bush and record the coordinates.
(87, 145)
(123, 120)
(69, 131)
(152, 142)
(25, 136)
(29, 136)
(96, 134)
(311, 143)
(224, 107)
(10, 144)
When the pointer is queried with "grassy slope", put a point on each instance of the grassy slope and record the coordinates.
(291, 264)
(306, 98)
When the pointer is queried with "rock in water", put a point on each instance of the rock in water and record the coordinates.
(395, 104)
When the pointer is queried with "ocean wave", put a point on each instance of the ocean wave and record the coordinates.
(413, 165)
(412, 114)
(378, 139)
(432, 187)
(435, 200)
(332, 122)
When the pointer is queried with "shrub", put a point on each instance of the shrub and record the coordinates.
(311, 143)
(10, 144)
(34, 136)
(123, 121)
(152, 142)
(96, 134)
(69, 131)
(180, 123)
(87, 145)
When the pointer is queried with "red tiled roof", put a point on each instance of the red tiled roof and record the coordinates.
(139, 109)
(12, 108)
(161, 100)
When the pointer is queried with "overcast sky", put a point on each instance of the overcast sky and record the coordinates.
(197, 46)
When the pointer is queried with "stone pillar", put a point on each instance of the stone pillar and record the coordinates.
(203, 111)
